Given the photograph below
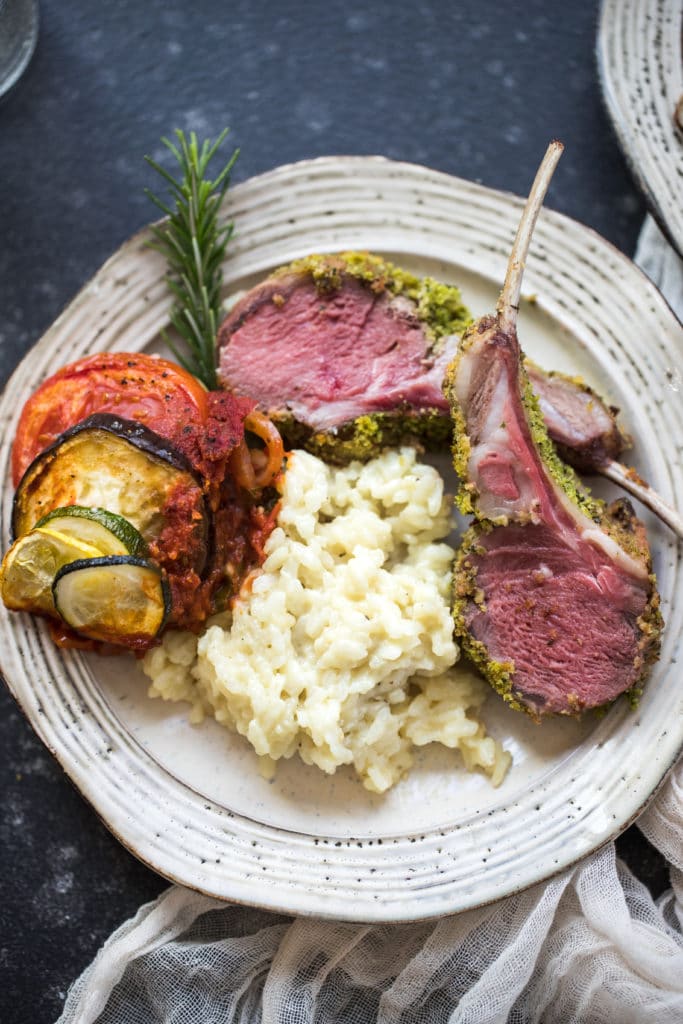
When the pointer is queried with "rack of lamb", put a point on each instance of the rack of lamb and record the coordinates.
(554, 596)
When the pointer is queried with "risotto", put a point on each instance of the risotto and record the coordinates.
(340, 649)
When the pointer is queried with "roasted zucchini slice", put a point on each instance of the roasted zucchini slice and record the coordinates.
(118, 465)
(118, 600)
(63, 536)
(110, 533)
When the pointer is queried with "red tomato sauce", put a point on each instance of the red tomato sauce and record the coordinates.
(209, 445)
(240, 531)
(240, 525)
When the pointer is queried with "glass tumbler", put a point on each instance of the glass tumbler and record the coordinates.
(18, 36)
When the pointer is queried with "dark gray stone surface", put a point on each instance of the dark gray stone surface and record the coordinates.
(472, 87)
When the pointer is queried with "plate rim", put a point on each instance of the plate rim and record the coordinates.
(611, 23)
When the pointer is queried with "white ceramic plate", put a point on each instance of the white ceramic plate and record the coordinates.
(188, 800)
(641, 70)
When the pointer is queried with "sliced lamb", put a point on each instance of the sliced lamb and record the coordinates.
(582, 426)
(347, 354)
(554, 595)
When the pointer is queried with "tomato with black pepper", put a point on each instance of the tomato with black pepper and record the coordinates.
(148, 389)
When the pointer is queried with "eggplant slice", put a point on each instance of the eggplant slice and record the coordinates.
(123, 467)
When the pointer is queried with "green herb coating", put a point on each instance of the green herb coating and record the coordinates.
(438, 306)
(366, 436)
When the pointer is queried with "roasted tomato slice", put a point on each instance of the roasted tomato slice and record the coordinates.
(150, 390)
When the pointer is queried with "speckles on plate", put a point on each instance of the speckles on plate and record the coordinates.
(674, 379)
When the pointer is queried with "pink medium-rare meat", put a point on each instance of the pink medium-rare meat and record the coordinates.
(554, 597)
(331, 355)
(347, 353)
(582, 426)
(560, 613)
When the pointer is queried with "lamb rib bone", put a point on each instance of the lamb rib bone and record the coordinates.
(554, 597)
(627, 478)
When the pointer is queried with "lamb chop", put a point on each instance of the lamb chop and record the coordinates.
(347, 354)
(554, 597)
(582, 426)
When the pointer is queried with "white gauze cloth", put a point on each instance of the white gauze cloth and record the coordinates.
(588, 947)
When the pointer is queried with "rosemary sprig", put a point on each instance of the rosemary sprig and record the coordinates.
(193, 244)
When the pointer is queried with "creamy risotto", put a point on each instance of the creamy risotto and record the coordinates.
(341, 648)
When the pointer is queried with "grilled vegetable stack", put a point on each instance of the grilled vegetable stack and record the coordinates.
(136, 516)
(88, 512)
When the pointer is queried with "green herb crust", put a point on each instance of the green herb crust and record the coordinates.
(367, 436)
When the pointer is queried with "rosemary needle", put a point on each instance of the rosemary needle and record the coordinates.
(193, 243)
